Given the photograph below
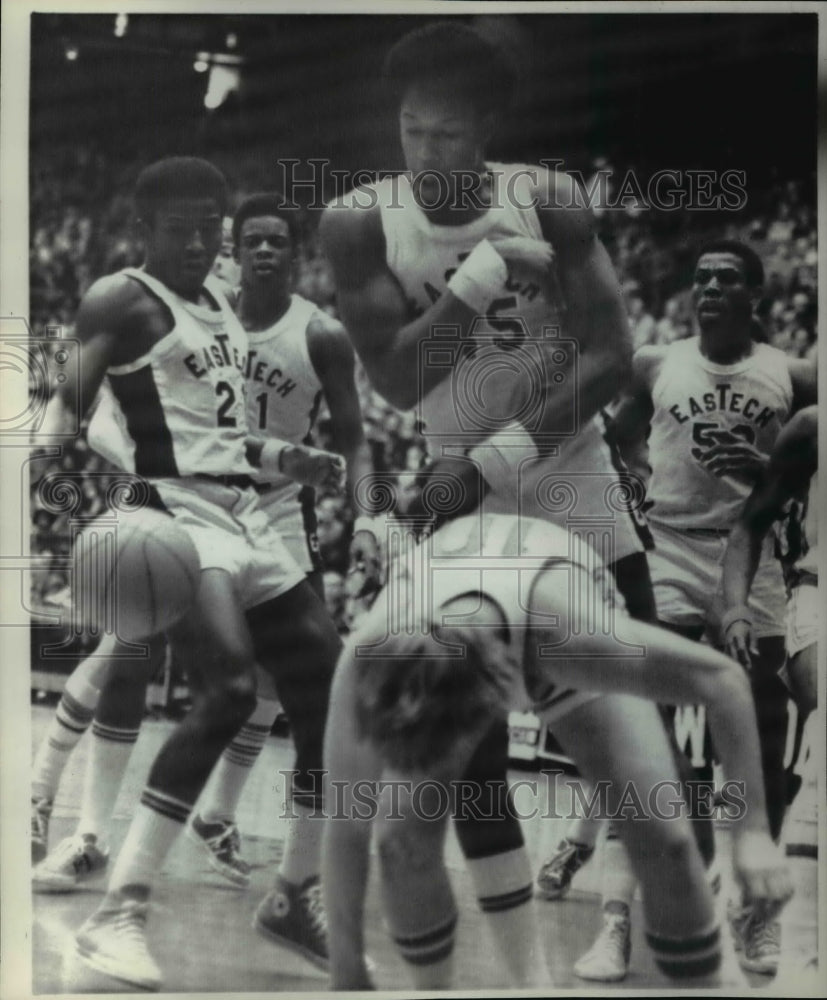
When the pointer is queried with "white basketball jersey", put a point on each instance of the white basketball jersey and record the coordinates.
(487, 390)
(501, 557)
(178, 410)
(699, 404)
(283, 390)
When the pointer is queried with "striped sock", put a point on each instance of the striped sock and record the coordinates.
(504, 887)
(429, 954)
(685, 958)
(219, 802)
(71, 720)
(158, 820)
(109, 754)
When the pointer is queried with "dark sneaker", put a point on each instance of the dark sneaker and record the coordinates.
(222, 843)
(757, 938)
(554, 880)
(294, 916)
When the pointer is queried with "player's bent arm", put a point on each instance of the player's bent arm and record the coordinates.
(595, 314)
(372, 304)
(346, 842)
(631, 419)
(792, 462)
(299, 462)
(674, 671)
(804, 378)
(331, 354)
(109, 323)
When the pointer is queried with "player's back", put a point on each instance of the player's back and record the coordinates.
(178, 409)
(699, 404)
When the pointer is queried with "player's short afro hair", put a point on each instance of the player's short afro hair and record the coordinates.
(272, 203)
(450, 51)
(178, 177)
(753, 268)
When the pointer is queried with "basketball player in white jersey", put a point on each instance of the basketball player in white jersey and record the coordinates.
(301, 359)
(444, 284)
(165, 349)
(412, 716)
(792, 474)
(716, 404)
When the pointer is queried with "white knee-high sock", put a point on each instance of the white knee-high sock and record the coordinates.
(219, 801)
(71, 720)
(504, 887)
(159, 818)
(109, 754)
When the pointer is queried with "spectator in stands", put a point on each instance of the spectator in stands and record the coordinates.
(641, 321)
(670, 327)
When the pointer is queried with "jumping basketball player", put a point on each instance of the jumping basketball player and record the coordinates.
(407, 710)
(164, 346)
(716, 404)
(444, 283)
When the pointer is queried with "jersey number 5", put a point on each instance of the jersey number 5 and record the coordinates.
(708, 435)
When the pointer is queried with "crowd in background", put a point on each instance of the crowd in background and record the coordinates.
(82, 227)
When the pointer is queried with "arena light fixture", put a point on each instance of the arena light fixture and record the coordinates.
(121, 24)
(71, 53)
(201, 64)
(223, 80)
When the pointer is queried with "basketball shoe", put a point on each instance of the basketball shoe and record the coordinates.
(757, 938)
(221, 842)
(75, 860)
(294, 916)
(607, 961)
(113, 941)
(554, 880)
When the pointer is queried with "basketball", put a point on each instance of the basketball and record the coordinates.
(134, 574)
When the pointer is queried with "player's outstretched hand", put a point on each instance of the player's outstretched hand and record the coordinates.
(740, 643)
(761, 870)
(313, 467)
(739, 459)
(526, 250)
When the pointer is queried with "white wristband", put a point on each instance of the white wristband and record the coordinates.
(740, 613)
(272, 455)
(479, 278)
(372, 524)
(501, 458)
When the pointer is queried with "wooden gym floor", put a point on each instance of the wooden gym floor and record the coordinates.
(200, 928)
